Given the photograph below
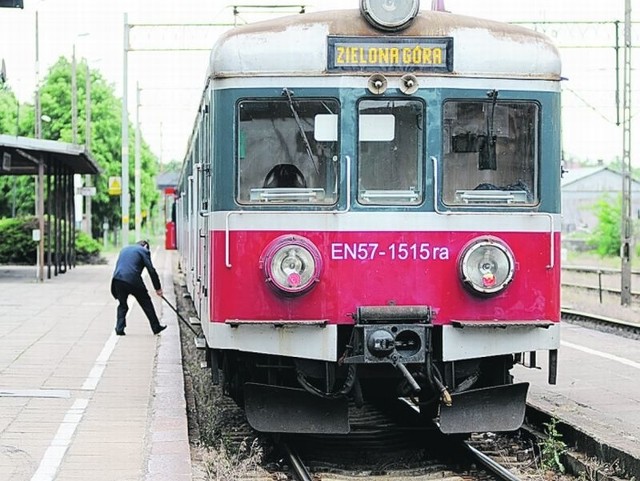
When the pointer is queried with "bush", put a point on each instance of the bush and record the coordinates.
(16, 241)
(17, 246)
(606, 236)
(87, 249)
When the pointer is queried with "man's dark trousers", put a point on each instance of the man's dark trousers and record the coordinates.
(121, 291)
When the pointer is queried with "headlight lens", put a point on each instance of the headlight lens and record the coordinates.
(291, 264)
(389, 14)
(486, 266)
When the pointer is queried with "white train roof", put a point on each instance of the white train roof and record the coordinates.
(297, 46)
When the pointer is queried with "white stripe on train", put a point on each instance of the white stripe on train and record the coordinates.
(384, 221)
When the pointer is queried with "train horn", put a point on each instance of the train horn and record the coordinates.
(409, 84)
(377, 84)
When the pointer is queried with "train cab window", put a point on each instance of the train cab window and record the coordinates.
(390, 149)
(490, 153)
(287, 151)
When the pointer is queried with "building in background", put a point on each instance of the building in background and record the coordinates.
(583, 187)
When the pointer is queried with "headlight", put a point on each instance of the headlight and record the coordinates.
(291, 264)
(486, 266)
(389, 15)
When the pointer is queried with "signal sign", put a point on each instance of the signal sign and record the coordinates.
(115, 186)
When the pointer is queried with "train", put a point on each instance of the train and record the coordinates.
(369, 211)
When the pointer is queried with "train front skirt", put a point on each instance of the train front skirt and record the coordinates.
(276, 409)
(290, 410)
(495, 409)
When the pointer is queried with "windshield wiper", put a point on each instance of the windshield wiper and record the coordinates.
(307, 146)
(487, 160)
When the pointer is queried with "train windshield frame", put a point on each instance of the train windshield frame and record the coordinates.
(390, 151)
(287, 150)
(499, 137)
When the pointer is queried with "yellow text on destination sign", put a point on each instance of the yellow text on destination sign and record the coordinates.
(351, 54)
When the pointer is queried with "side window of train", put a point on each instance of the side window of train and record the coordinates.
(390, 151)
(490, 153)
(287, 151)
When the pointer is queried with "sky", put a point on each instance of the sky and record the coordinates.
(170, 82)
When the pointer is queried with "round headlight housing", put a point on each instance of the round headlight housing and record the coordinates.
(291, 264)
(486, 266)
(390, 15)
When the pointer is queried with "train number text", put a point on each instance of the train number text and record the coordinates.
(401, 251)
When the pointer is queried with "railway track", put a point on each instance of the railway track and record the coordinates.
(410, 457)
(392, 448)
(602, 323)
(485, 468)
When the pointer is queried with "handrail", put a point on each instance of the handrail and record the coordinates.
(227, 229)
(552, 241)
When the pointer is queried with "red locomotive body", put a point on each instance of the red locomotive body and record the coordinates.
(374, 213)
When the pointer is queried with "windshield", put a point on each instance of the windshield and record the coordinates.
(390, 148)
(490, 152)
(287, 150)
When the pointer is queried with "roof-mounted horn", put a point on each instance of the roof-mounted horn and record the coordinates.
(389, 15)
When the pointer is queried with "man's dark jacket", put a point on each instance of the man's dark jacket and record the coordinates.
(131, 261)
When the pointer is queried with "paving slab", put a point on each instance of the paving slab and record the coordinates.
(596, 389)
(78, 402)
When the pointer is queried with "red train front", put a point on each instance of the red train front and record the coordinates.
(373, 213)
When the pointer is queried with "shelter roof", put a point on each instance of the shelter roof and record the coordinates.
(167, 179)
(20, 156)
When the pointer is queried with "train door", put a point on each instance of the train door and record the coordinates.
(205, 210)
(191, 233)
(198, 220)
(170, 240)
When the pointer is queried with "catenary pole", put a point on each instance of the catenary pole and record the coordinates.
(626, 225)
(124, 196)
(137, 163)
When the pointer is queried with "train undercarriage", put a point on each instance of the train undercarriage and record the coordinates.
(382, 359)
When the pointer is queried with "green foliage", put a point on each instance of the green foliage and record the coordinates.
(87, 249)
(17, 246)
(104, 142)
(17, 195)
(9, 106)
(552, 447)
(606, 236)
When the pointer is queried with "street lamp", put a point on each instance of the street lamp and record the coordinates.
(87, 227)
(74, 92)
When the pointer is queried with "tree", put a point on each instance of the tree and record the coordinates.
(17, 193)
(105, 141)
(606, 235)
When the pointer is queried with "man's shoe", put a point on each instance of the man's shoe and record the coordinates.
(120, 333)
(160, 329)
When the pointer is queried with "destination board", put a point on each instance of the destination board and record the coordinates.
(395, 53)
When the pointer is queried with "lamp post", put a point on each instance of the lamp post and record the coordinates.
(87, 143)
(138, 209)
(86, 224)
(39, 179)
(124, 197)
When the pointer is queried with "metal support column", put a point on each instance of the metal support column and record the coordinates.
(124, 197)
(626, 225)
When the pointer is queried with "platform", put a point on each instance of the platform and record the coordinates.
(78, 402)
(596, 392)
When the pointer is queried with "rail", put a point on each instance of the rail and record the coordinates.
(497, 469)
(300, 471)
(605, 277)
